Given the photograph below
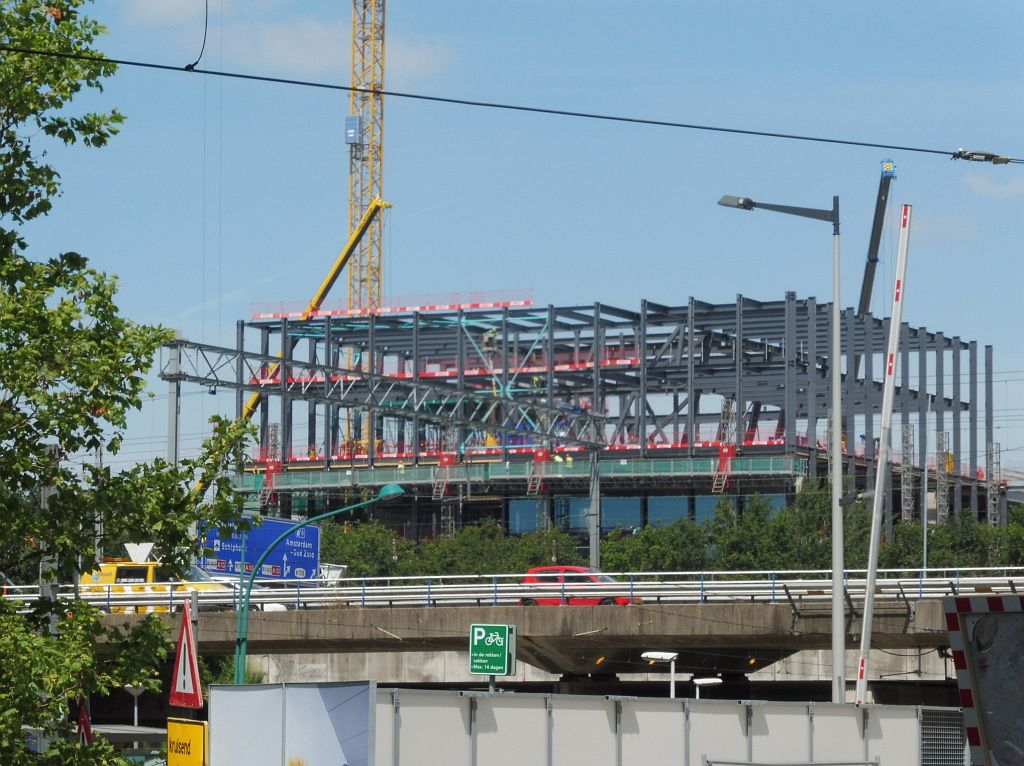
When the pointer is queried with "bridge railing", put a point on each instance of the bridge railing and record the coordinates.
(799, 588)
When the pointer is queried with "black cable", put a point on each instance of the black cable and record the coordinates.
(957, 154)
(206, 26)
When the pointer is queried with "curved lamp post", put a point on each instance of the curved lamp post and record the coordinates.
(387, 492)
(835, 358)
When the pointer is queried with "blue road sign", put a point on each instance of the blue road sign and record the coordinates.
(297, 557)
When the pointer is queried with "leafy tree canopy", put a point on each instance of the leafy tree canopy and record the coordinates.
(37, 93)
(71, 369)
(369, 549)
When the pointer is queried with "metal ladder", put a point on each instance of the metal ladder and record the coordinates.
(536, 479)
(440, 488)
(720, 481)
(266, 492)
(726, 435)
(533, 484)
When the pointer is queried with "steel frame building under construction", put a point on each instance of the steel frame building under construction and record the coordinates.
(479, 408)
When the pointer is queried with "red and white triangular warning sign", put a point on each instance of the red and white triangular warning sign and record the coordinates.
(84, 724)
(185, 687)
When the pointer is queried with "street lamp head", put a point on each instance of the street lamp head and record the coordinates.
(389, 492)
(706, 681)
(660, 656)
(744, 203)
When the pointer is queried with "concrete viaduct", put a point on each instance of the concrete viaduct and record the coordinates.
(580, 640)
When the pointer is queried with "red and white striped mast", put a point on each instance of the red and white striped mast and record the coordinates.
(881, 474)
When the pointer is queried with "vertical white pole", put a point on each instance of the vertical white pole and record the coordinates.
(594, 513)
(924, 487)
(883, 451)
(838, 610)
(173, 402)
(672, 680)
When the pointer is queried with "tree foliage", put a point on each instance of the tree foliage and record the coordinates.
(759, 538)
(71, 370)
(743, 541)
(681, 546)
(475, 549)
(541, 548)
(37, 91)
(369, 549)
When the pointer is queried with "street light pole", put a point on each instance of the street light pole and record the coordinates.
(670, 658)
(387, 492)
(838, 612)
(706, 681)
(838, 607)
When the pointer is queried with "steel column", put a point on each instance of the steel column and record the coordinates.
(957, 457)
(923, 409)
(972, 419)
(691, 397)
(812, 387)
(642, 404)
(790, 360)
(990, 435)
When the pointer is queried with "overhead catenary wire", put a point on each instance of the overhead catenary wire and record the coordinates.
(959, 153)
(206, 28)
(954, 154)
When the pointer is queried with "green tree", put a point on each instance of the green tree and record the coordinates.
(677, 547)
(369, 549)
(37, 91)
(856, 535)
(801, 533)
(534, 549)
(743, 541)
(478, 549)
(71, 369)
(1009, 542)
(904, 550)
(960, 542)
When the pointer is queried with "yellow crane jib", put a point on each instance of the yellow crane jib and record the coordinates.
(372, 211)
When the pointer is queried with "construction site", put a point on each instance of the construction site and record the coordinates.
(497, 407)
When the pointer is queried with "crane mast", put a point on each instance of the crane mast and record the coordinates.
(888, 173)
(364, 133)
(874, 242)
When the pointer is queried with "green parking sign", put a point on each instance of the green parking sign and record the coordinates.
(492, 650)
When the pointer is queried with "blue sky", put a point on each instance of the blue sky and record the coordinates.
(221, 194)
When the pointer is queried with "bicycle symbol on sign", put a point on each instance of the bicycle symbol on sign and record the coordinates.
(494, 639)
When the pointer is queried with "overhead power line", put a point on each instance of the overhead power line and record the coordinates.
(956, 154)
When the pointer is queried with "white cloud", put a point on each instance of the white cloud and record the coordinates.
(323, 49)
(230, 299)
(410, 62)
(300, 48)
(257, 37)
(163, 12)
(984, 186)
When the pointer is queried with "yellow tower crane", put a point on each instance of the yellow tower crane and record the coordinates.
(364, 133)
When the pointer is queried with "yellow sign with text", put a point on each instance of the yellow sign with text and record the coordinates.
(187, 742)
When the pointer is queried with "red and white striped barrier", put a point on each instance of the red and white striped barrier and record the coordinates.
(381, 310)
(959, 611)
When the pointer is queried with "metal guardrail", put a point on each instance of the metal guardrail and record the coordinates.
(800, 588)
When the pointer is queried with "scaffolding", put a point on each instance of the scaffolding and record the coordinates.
(907, 476)
(501, 381)
(993, 480)
(943, 464)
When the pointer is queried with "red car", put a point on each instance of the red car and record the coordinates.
(574, 586)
